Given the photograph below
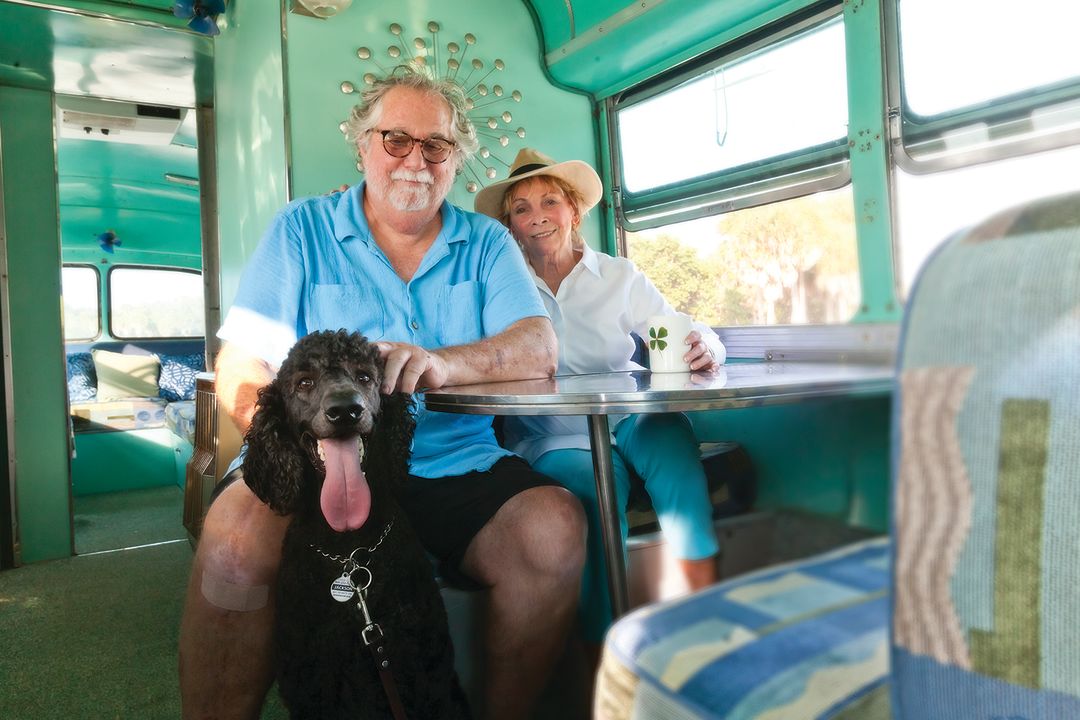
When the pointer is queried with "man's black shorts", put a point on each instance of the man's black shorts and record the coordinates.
(448, 512)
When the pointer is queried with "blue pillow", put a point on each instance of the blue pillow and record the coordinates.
(81, 377)
(177, 379)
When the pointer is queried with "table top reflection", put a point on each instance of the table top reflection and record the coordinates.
(734, 385)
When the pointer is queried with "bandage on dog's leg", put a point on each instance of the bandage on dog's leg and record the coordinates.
(233, 596)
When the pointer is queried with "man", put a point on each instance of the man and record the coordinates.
(448, 298)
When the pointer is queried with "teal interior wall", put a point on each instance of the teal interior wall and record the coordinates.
(829, 457)
(249, 117)
(37, 365)
(321, 54)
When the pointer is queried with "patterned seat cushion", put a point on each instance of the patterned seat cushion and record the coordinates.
(804, 640)
(81, 378)
(988, 582)
(177, 381)
(180, 419)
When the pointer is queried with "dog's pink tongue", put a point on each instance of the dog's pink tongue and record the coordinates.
(346, 497)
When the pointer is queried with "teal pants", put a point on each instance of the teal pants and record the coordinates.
(663, 451)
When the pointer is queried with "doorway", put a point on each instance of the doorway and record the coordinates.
(134, 318)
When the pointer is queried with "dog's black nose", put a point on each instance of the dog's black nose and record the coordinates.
(344, 414)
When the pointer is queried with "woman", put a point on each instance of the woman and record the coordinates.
(595, 301)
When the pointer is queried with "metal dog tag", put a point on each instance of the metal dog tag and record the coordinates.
(342, 589)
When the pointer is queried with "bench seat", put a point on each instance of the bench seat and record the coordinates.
(151, 436)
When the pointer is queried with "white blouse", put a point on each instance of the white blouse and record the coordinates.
(599, 303)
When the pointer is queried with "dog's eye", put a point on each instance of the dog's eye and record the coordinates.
(305, 384)
(363, 377)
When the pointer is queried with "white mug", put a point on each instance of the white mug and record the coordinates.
(666, 340)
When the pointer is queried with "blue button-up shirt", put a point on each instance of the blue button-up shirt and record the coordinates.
(319, 268)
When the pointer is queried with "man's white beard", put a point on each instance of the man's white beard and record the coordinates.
(410, 196)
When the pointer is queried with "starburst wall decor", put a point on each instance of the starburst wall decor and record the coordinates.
(490, 105)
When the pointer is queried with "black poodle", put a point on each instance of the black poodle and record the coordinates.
(360, 621)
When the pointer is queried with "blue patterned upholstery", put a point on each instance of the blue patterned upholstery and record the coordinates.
(987, 578)
(81, 378)
(985, 585)
(177, 379)
(787, 642)
(180, 419)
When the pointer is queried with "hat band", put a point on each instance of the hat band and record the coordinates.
(527, 168)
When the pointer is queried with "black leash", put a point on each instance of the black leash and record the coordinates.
(375, 640)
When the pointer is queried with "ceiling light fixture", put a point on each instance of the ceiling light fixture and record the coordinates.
(185, 180)
(320, 8)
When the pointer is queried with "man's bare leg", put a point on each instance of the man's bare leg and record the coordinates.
(531, 555)
(226, 636)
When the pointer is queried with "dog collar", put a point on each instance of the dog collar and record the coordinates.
(346, 560)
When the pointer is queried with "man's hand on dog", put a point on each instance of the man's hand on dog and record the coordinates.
(410, 366)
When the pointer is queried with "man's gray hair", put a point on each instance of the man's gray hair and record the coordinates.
(365, 116)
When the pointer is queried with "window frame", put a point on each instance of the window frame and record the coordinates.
(801, 172)
(1007, 120)
(160, 268)
(97, 280)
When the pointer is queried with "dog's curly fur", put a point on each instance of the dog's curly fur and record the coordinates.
(325, 670)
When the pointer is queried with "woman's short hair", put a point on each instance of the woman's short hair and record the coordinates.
(365, 116)
(572, 194)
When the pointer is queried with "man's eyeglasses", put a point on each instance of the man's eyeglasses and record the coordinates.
(399, 144)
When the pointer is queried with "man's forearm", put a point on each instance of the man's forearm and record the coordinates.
(238, 378)
(526, 349)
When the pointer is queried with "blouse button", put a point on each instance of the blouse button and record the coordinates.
(415, 325)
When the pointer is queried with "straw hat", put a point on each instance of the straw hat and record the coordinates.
(530, 163)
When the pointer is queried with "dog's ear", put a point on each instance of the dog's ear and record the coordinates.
(274, 460)
(391, 441)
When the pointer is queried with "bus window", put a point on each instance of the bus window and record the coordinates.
(1002, 60)
(155, 303)
(763, 105)
(789, 262)
(735, 193)
(971, 194)
(975, 123)
(81, 302)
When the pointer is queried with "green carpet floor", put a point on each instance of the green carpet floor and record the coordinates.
(111, 521)
(94, 637)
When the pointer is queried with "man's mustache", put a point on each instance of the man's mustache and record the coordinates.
(421, 176)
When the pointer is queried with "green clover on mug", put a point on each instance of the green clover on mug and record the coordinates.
(658, 335)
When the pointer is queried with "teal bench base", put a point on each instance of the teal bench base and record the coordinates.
(123, 460)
